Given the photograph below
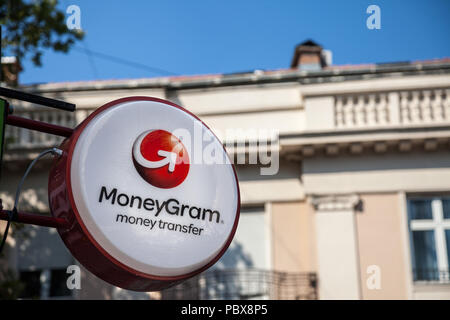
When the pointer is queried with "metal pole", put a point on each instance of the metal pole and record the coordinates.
(36, 219)
(39, 126)
(32, 98)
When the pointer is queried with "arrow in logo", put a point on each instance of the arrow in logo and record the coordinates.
(169, 158)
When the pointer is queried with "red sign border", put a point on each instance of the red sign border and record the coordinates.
(82, 244)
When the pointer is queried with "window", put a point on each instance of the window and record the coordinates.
(44, 284)
(32, 284)
(58, 283)
(429, 224)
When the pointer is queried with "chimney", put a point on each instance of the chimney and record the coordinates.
(310, 56)
(10, 71)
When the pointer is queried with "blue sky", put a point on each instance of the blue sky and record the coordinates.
(209, 36)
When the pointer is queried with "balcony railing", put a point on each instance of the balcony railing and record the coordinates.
(244, 285)
(18, 138)
(400, 108)
(431, 275)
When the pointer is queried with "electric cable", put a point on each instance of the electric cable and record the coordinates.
(124, 61)
(13, 213)
(91, 59)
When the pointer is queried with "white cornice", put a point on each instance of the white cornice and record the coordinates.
(401, 82)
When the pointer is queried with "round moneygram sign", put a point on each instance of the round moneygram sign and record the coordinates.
(149, 192)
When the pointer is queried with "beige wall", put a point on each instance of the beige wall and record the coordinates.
(337, 253)
(434, 291)
(378, 173)
(293, 237)
(380, 241)
(246, 98)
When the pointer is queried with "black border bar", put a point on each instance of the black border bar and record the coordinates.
(24, 96)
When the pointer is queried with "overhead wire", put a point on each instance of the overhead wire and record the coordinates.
(13, 212)
(126, 62)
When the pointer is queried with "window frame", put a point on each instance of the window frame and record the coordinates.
(438, 224)
(45, 278)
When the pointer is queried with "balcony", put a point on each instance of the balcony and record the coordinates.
(431, 276)
(405, 108)
(376, 119)
(246, 284)
(18, 140)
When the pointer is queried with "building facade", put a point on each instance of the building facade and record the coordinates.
(357, 205)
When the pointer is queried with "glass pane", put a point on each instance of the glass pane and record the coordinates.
(420, 209)
(447, 236)
(425, 261)
(446, 207)
(31, 284)
(58, 284)
(3, 113)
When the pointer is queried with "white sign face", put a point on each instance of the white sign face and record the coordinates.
(148, 194)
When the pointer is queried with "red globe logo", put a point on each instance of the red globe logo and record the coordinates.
(160, 158)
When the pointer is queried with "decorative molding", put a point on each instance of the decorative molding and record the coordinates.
(378, 145)
(405, 146)
(332, 149)
(431, 145)
(335, 202)
(308, 151)
(356, 148)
